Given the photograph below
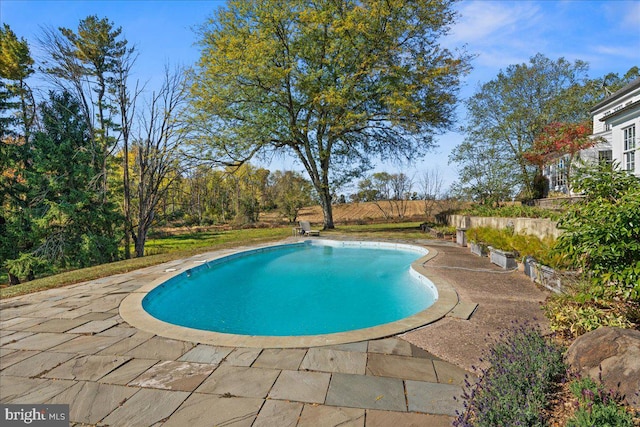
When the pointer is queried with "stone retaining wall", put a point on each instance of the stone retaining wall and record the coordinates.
(540, 227)
(559, 203)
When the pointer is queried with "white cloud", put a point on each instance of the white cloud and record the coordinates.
(500, 33)
(630, 52)
(485, 22)
(631, 18)
(625, 13)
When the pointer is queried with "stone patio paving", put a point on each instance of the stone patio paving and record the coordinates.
(69, 345)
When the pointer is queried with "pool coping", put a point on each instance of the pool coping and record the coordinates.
(132, 312)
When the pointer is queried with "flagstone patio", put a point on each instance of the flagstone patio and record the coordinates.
(70, 345)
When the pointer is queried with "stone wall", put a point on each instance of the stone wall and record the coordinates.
(540, 227)
(558, 203)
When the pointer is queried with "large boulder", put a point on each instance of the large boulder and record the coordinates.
(614, 355)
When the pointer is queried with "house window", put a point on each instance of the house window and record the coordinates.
(629, 153)
(561, 176)
(557, 174)
(605, 157)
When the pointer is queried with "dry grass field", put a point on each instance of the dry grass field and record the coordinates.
(365, 211)
(369, 212)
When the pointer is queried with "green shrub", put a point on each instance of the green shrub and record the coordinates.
(596, 407)
(580, 310)
(602, 235)
(572, 319)
(499, 239)
(445, 229)
(27, 266)
(515, 389)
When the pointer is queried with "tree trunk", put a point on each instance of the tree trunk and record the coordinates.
(528, 180)
(327, 211)
(320, 180)
(569, 174)
(140, 241)
(13, 280)
(126, 206)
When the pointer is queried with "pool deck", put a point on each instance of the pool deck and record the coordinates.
(70, 345)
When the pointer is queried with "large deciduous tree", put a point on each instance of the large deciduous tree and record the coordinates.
(126, 99)
(430, 190)
(613, 82)
(334, 83)
(509, 112)
(389, 192)
(487, 174)
(94, 64)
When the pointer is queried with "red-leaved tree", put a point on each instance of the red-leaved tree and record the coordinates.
(558, 140)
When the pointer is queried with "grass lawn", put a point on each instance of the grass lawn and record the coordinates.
(161, 249)
(171, 247)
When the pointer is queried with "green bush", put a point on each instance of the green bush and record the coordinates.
(579, 310)
(572, 319)
(27, 266)
(596, 407)
(499, 239)
(602, 235)
(445, 229)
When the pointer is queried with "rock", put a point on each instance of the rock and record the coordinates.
(617, 352)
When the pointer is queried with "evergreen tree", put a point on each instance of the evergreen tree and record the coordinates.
(62, 222)
(17, 115)
(74, 228)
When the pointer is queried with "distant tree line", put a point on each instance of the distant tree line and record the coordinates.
(206, 196)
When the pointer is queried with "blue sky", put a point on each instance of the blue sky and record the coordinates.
(606, 34)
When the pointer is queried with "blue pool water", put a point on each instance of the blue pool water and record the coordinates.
(303, 289)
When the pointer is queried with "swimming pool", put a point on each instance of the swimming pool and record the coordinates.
(309, 288)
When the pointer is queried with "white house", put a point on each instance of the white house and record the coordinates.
(616, 119)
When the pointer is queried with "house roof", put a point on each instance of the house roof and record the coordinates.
(621, 110)
(618, 94)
